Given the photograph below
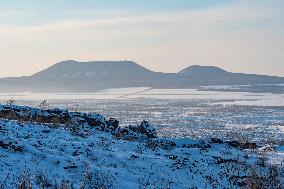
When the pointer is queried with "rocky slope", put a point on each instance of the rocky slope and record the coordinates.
(57, 148)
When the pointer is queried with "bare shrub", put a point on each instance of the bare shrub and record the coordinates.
(150, 182)
(97, 180)
(104, 143)
(264, 179)
(43, 105)
(11, 101)
(42, 180)
(151, 144)
(74, 126)
(140, 148)
(25, 182)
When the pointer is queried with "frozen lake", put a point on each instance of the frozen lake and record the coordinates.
(179, 112)
(234, 98)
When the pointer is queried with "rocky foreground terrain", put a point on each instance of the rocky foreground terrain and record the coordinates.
(54, 148)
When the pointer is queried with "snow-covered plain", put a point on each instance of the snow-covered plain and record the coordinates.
(237, 98)
(43, 155)
(178, 112)
(185, 116)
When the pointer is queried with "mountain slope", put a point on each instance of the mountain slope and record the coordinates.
(95, 69)
(73, 76)
(211, 75)
(197, 70)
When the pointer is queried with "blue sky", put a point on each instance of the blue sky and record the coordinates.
(162, 35)
(36, 12)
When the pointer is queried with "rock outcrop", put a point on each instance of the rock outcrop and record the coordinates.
(57, 117)
(137, 132)
(77, 120)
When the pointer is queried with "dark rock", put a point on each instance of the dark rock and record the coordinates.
(201, 146)
(55, 111)
(242, 145)
(148, 130)
(8, 114)
(161, 143)
(77, 153)
(144, 131)
(134, 157)
(55, 116)
(216, 141)
(172, 157)
(234, 144)
(70, 167)
(76, 121)
(167, 145)
(248, 145)
(11, 146)
(45, 131)
(144, 128)
(112, 124)
(221, 160)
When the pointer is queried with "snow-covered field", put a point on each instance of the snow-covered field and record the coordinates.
(43, 156)
(223, 97)
(179, 112)
(188, 116)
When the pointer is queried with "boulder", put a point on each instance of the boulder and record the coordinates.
(56, 116)
(143, 131)
(11, 145)
(112, 124)
(216, 141)
(242, 145)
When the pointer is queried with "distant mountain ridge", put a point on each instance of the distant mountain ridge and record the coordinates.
(74, 76)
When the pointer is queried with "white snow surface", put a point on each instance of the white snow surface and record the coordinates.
(56, 153)
(234, 98)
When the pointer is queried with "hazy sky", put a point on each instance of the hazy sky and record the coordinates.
(162, 35)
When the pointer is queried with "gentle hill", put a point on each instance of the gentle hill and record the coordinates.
(212, 75)
(197, 70)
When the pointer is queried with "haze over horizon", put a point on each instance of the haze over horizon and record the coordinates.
(166, 36)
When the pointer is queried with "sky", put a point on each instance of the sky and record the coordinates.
(162, 35)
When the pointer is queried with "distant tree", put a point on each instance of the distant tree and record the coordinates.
(43, 104)
(11, 101)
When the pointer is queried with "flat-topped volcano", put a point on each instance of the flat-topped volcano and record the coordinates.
(94, 69)
(74, 76)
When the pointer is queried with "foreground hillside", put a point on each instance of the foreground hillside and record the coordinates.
(61, 149)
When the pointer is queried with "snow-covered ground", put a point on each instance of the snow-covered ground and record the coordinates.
(42, 155)
(188, 117)
(179, 112)
(237, 98)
